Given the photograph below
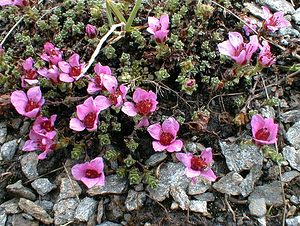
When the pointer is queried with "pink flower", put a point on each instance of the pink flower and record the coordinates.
(250, 23)
(40, 142)
(198, 165)
(29, 73)
(144, 104)
(165, 136)
(275, 21)
(90, 173)
(91, 31)
(52, 73)
(265, 57)
(28, 104)
(239, 51)
(103, 73)
(51, 53)
(71, 69)
(159, 28)
(87, 114)
(264, 131)
(45, 126)
(20, 3)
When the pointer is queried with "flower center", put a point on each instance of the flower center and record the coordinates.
(30, 74)
(31, 105)
(47, 126)
(113, 97)
(75, 71)
(197, 163)
(89, 120)
(166, 138)
(90, 173)
(53, 52)
(143, 107)
(98, 81)
(262, 134)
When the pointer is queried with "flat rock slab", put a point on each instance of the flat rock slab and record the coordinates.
(293, 115)
(8, 150)
(19, 190)
(42, 186)
(229, 184)
(29, 164)
(135, 200)
(179, 195)
(293, 135)
(68, 189)
(64, 211)
(156, 158)
(247, 185)
(113, 185)
(296, 18)
(292, 156)
(290, 175)
(198, 187)
(3, 216)
(109, 223)
(295, 221)
(11, 206)
(35, 210)
(198, 206)
(241, 157)
(85, 209)
(258, 207)
(254, 9)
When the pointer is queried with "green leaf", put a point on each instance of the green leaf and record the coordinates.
(116, 11)
(109, 15)
(133, 14)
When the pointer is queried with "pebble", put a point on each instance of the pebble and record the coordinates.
(19, 190)
(35, 210)
(268, 112)
(42, 186)
(29, 162)
(156, 158)
(289, 32)
(135, 200)
(293, 135)
(64, 211)
(290, 175)
(295, 221)
(279, 5)
(290, 116)
(3, 132)
(254, 9)
(109, 223)
(179, 195)
(294, 200)
(229, 184)
(85, 209)
(198, 206)
(296, 16)
(174, 206)
(24, 130)
(198, 187)
(11, 206)
(113, 185)
(292, 156)
(208, 197)
(8, 150)
(258, 207)
(68, 189)
(47, 205)
(3, 216)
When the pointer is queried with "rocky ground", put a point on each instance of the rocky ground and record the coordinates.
(251, 189)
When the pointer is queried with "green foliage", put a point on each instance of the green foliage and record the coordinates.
(138, 38)
(111, 155)
(172, 5)
(162, 74)
(104, 139)
(134, 176)
(274, 101)
(203, 11)
(129, 161)
(121, 172)
(151, 179)
(109, 52)
(270, 152)
(131, 144)
(77, 151)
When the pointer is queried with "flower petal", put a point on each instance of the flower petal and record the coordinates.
(157, 146)
(102, 103)
(19, 100)
(78, 170)
(207, 156)
(208, 174)
(185, 158)
(76, 124)
(155, 131)
(175, 146)
(129, 109)
(34, 94)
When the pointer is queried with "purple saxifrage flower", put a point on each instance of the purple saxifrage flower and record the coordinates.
(91, 31)
(264, 131)
(20, 3)
(265, 57)
(159, 28)
(52, 73)
(165, 136)
(274, 22)
(45, 126)
(250, 23)
(71, 70)
(29, 73)
(198, 165)
(28, 104)
(51, 54)
(90, 173)
(239, 51)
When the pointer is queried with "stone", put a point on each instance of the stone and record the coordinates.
(29, 163)
(229, 184)
(35, 210)
(64, 211)
(24, 220)
(296, 16)
(198, 187)
(293, 135)
(156, 158)
(47, 205)
(290, 116)
(113, 185)
(171, 174)
(290, 175)
(271, 192)
(135, 200)
(115, 208)
(85, 209)
(11, 206)
(3, 132)
(241, 157)
(179, 195)
(24, 130)
(258, 207)
(295, 221)
(3, 216)
(8, 150)
(279, 5)
(42, 186)
(198, 206)
(208, 197)
(174, 206)
(294, 200)
(109, 223)
(19, 190)
(247, 185)
(268, 112)
(100, 211)
(254, 9)
(289, 32)
(68, 189)
(292, 156)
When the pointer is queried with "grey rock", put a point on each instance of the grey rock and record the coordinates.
(268, 112)
(180, 196)
(271, 192)
(109, 223)
(156, 158)
(64, 211)
(35, 210)
(174, 206)
(208, 197)
(290, 175)
(23, 219)
(68, 189)
(247, 185)
(8, 150)
(198, 206)
(198, 187)
(25, 128)
(296, 16)
(295, 221)
(258, 207)
(113, 185)
(171, 174)
(241, 157)
(19, 190)
(292, 156)
(100, 211)
(85, 209)
(289, 32)
(3, 132)
(229, 184)
(29, 163)
(115, 208)
(294, 200)
(293, 135)
(135, 200)
(139, 187)
(279, 5)
(3, 216)
(47, 205)
(11, 206)
(42, 186)
(290, 116)
(254, 9)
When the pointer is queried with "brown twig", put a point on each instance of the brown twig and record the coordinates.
(229, 207)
